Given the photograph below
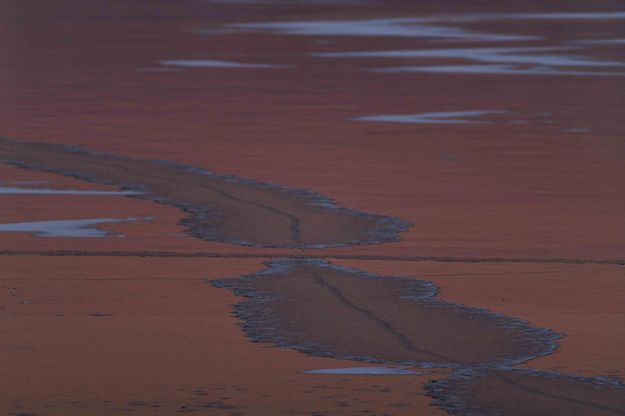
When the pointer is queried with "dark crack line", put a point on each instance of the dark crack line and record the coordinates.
(207, 254)
(295, 228)
(295, 222)
(386, 326)
(562, 398)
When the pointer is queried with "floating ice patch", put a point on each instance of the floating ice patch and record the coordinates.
(516, 55)
(612, 15)
(373, 318)
(212, 63)
(5, 190)
(425, 27)
(63, 228)
(446, 117)
(364, 371)
(614, 41)
(410, 27)
(217, 207)
(497, 70)
(470, 18)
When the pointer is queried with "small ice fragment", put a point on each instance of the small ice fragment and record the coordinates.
(444, 117)
(498, 69)
(368, 371)
(63, 228)
(402, 27)
(214, 63)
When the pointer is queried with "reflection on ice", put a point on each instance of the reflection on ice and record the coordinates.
(368, 371)
(410, 27)
(447, 117)
(613, 15)
(514, 55)
(612, 41)
(212, 63)
(473, 18)
(498, 70)
(435, 27)
(63, 228)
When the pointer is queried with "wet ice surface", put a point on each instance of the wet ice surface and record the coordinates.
(419, 27)
(611, 15)
(507, 61)
(494, 61)
(410, 27)
(205, 195)
(7, 190)
(485, 17)
(214, 63)
(498, 70)
(64, 228)
(612, 41)
(367, 371)
(446, 117)
(514, 55)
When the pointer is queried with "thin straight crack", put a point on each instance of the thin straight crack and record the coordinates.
(247, 209)
(387, 326)
(557, 397)
(208, 254)
(294, 220)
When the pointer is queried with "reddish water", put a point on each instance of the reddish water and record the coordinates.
(541, 180)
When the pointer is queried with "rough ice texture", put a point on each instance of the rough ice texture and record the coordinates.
(527, 392)
(322, 309)
(327, 310)
(219, 207)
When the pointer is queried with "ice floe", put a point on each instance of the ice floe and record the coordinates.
(64, 228)
(499, 70)
(400, 27)
(443, 117)
(511, 55)
(214, 63)
(365, 371)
